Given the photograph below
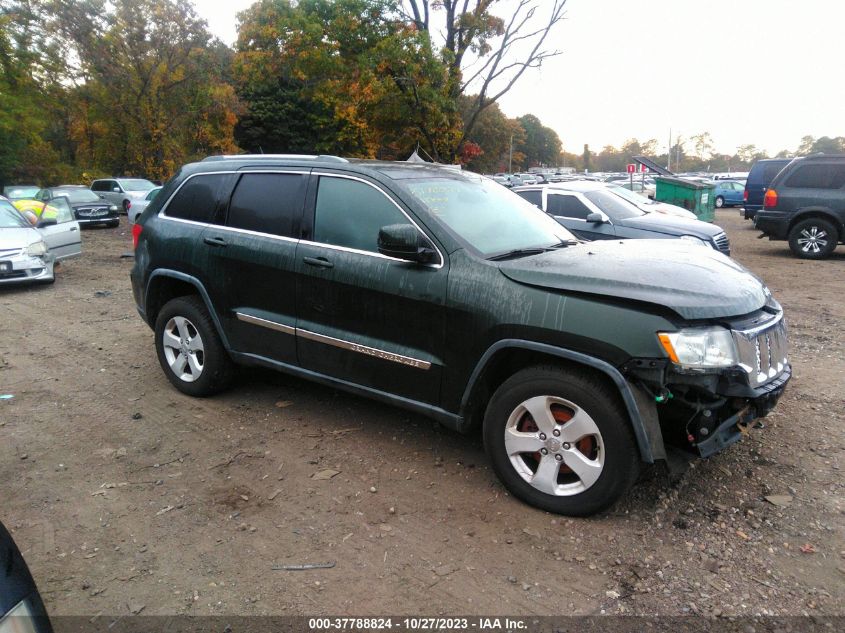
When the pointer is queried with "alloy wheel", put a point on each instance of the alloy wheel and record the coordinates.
(554, 445)
(812, 239)
(183, 349)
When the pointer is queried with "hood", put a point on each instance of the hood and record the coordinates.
(665, 208)
(696, 282)
(672, 225)
(18, 238)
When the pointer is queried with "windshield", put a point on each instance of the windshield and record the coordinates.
(136, 184)
(10, 218)
(629, 195)
(20, 193)
(613, 206)
(490, 218)
(153, 193)
(77, 195)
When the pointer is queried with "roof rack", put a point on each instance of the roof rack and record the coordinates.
(322, 157)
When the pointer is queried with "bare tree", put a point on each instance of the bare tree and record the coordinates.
(486, 54)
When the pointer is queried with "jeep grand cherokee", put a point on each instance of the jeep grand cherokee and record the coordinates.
(442, 292)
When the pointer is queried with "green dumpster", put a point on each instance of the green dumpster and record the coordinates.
(694, 196)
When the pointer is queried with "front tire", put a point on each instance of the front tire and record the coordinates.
(813, 238)
(560, 441)
(720, 202)
(189, 350)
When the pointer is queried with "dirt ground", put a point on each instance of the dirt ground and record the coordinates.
(128, 497)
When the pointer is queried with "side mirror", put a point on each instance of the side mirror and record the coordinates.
(116, 189)
(404, 241)
(45, 222)
(596, 218)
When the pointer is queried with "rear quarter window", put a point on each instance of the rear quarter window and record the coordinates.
(534, 197)
(818, 176)
(198, 199)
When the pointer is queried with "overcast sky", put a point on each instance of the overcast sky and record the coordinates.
(765, 72)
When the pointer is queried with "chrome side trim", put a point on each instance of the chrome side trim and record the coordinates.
(335, 342)
(272, 325)
(364, 349)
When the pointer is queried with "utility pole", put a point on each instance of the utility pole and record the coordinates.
(510, 157)
(669, 153)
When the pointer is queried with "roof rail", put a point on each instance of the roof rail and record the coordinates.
(321, 157)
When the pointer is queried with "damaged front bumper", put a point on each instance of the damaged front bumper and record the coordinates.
(734, 427)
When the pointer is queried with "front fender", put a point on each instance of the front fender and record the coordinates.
(641, 409)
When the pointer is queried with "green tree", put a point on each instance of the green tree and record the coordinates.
(542, 145)
(151, 81)
(493, 133)
(361, 81)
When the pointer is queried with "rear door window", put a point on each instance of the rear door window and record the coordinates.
(818, 176)
(567, 206)
(350, 213)
(268, 203)
(198, 199)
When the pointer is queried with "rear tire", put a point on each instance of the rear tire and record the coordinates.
(813, 238)
(720, 202)
(578, 459)
(189, 350)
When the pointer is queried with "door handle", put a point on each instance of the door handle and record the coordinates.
(214, 241)
(73, 228)
(319, 262)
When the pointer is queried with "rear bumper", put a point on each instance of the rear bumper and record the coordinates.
(774, 224)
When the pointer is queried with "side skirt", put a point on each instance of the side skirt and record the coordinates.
(449, 420)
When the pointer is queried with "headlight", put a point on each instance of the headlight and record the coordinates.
(700, 348)
(18, 620)
(36, 249)
(113, 207)
(694, 240)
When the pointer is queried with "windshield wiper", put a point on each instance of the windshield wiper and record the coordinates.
(520, 252)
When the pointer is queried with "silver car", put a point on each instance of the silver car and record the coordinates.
(122, 191)
(24, 255)
(137, 207)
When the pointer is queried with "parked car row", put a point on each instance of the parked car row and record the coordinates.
(442, 292)
(804, 204)
(595, 211)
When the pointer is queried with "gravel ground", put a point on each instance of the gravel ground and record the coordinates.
(128, 497)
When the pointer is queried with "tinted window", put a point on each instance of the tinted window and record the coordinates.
(197, 199)
(567, 206)
(819, 176)
(350, 213)
(100, 185)
(268, 203)
(534, 197)
(770, 170)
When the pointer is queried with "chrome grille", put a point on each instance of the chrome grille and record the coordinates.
(723, 243)
(763, 352)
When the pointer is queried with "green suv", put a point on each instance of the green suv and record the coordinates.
(442, 292)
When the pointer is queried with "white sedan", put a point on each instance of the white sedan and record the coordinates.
(137, 207)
